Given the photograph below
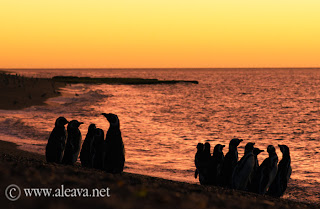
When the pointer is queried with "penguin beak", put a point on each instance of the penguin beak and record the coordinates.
(240, 140)
(105, 115)
(80, 123)
(223, 146)
(281, 147)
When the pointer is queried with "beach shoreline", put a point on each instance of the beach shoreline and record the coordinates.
(19, 92)
(127, 190)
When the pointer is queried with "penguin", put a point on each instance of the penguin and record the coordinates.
(279, 185)
(57, 141)
(244, 168)
(72, 150)
(267, 172)
(230, 162)
(206, 151)
(206, 165)
(198, 158)
(217, 163)
(256, 152)
(85, 153)
(114, 152)
(97, 149)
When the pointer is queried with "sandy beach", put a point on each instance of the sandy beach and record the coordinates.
(29, 170)
(127, 190)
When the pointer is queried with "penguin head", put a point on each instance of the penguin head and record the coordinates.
(284, 149)
(218, 148)
(200, 147)
(112, 118)
(61, 121)
(235, 142)
(74, 124)
(99, 132)
(257, 151)
(207, 147)
(271, 149)
(92, 127)
(249, 147)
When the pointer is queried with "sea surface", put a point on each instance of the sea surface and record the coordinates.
(162, 124)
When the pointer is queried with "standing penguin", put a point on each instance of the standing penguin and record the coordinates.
(114, 155)
(98, 149)
(230, 162)
(256, 152)
(207, 151)
(198, 160)
(57, 141)
(244, 168)
(72, 150)
(217, 163)
(267, 171)
(279, 185)
(206, 165)
(85, 153)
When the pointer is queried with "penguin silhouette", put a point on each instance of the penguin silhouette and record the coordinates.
(267, 171)
(206, 151)
(256, 152)
(198, 159)
(98, 149)
(114, 152)
(279, 185)
(57, 141)
(230, 162)
(244, 168)
(206, 165)
(72, 150)
(217, 163)
(86, 149)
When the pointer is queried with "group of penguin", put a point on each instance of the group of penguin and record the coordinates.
(108, 154)
(105, 153)
(268, 178)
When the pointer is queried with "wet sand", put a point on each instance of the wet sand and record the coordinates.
(29, 170)
(17, 92)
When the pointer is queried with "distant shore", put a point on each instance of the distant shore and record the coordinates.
(123, 81)
(18, 92)
(29, 170)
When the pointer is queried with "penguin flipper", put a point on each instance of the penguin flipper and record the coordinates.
(196, 172)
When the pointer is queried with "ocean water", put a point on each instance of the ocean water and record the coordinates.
(162, 124)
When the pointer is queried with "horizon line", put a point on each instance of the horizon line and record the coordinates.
(120, 68)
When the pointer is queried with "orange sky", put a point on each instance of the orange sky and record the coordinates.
(166, 33)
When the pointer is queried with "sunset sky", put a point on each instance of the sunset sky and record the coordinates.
(166, 33)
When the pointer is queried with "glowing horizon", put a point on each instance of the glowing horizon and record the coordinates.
(166, 34)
